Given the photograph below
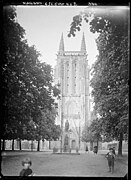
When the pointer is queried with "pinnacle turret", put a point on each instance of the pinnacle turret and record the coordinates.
(61, 46)
(83, 44)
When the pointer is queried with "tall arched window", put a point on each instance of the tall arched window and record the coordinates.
(75, 78)
(67, 77)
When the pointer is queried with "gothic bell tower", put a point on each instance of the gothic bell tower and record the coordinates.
(72, 73)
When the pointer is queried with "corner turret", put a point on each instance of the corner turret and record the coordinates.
(61, 46)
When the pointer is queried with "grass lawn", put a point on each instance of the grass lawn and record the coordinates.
(48, 164)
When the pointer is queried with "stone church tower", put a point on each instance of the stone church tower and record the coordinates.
(72, 75)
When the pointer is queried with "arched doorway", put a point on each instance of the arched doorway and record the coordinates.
(73, 144)
(66, 140)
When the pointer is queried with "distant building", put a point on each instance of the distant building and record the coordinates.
(72, 74)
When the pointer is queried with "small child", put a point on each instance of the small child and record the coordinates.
(110, 157)
(26, 171)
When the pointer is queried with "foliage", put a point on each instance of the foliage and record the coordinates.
(93, 132)
(29, 130)
(110, 71)
(26, 82)
(101, 19)
(96, 129)
(87, 135)
(45, 126)
(110, 75)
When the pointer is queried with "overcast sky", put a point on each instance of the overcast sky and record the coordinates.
(44, 26)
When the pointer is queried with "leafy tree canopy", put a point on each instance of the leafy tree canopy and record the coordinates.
(110, 71)
(26, 82)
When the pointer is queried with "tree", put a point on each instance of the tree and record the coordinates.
(96, 130)
(87, 135)
(42, 129)
(9, 48)
(26, 82)
(56, 131)
(93, 132)
(110, 71)
(110, 81)
(46, 128)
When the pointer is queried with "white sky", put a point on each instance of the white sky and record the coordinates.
(44, 26)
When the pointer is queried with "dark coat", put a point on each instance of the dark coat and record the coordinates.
(26, 172)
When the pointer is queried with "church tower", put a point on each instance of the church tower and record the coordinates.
(72, 75)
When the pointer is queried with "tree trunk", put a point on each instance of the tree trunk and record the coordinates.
(20, 144)
(120, 145)
(32, 145)
(91, 145)
(43, 144)
(49, 144)
(3, 145)
(38, 147)
(97, 144)
(13, 141)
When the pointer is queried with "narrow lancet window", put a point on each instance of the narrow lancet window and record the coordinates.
(67, 80)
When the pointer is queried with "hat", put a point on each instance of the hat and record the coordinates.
(26, 160)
